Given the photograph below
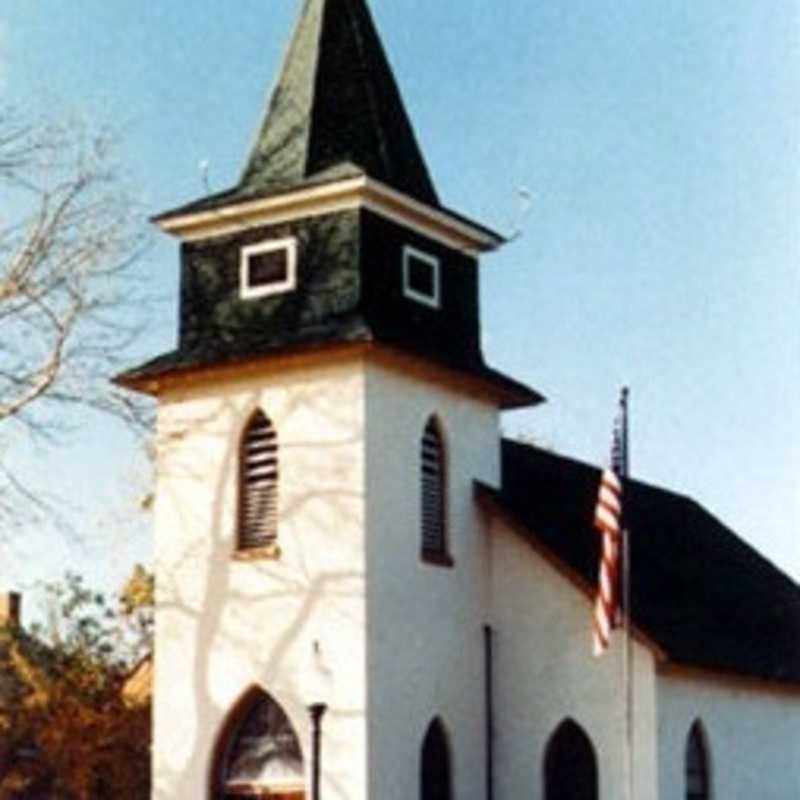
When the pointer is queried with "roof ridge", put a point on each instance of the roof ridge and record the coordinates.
(687, 500)
(281, 128)
(599, 468)
(313, 91)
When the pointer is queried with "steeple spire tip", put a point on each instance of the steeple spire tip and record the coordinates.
(335, 101)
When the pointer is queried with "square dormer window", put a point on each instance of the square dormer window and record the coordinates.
(268, 268)
(421, 277)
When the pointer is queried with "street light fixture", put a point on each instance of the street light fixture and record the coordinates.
(321, 680)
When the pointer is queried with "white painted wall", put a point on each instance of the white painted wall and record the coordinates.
(545, 672)
(349, 446)
(752, 733)
(223, 625)
(424, 622)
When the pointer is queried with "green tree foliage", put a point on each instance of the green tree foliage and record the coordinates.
(68, 728)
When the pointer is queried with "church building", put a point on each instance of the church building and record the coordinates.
(363, 590)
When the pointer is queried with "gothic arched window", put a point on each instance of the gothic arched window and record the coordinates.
(570, 765)
(259, 754)
(698, 783)
(435, 779)
(258, 484)
(433, 485)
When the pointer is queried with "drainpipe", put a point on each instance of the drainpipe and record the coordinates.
(488, 634)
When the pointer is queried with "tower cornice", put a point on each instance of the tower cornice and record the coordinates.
(361, 191)
(163, 379)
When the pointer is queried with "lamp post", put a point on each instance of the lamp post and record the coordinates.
(316, 710)
(321, 680)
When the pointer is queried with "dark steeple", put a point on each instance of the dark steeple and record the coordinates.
(310, 249)
(336, 101)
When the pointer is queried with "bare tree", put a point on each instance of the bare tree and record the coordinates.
(69, 305)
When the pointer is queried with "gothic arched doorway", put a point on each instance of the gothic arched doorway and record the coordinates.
(570, 765)
(259, 753)
(435, 770)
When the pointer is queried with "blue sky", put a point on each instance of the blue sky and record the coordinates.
(659, 142)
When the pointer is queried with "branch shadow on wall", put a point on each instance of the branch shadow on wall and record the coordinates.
(202, 587)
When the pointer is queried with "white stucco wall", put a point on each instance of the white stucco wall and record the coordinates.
(752, 732)
(224, 625)
(424, 622)
(545, 673)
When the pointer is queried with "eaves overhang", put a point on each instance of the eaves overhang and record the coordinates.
(161, 374)
(673, 668)
(233, 213)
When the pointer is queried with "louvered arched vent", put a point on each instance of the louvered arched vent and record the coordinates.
(434, 546)
(258, 484)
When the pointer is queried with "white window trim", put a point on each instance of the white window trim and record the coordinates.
(432, 301)
(247, 292)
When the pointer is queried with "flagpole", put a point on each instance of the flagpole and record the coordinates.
(626, 604)
(613, 600)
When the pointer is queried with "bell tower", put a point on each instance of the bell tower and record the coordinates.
(321, 423)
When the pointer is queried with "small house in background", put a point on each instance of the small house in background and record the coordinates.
(363, 591)
(23, 773)
(137, 688)
(10, 610)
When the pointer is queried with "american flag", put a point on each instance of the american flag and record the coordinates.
(608, 521)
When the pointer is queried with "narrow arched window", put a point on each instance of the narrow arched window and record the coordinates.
(433, 478)
(258, 484)
(259, 753)
(435, 770)
(570, 765)
(698, 783)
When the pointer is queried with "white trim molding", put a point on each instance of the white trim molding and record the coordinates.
(434, 299)
(248, 292)
(329, 198)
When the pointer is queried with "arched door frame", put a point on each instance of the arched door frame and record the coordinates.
(227, 731)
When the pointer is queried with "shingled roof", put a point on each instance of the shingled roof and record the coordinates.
(335, 108)
(704, 596)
